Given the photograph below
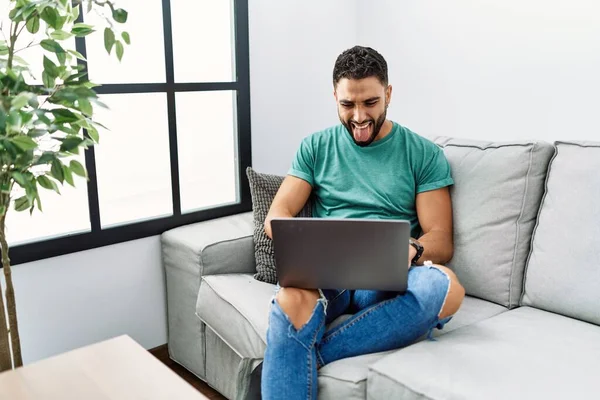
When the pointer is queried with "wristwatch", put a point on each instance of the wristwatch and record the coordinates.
(419, 247)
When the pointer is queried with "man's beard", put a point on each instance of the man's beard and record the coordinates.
(376, 128)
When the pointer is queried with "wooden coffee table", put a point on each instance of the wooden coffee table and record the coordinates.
(115, 369)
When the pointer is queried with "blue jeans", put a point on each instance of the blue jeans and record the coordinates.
(381, 321)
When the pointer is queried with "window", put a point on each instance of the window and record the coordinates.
(178, 138)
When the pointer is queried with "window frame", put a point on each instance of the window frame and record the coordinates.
(98, 236)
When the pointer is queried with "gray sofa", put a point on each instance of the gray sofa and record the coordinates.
(527, 250)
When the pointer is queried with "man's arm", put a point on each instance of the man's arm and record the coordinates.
(289, 200)
(434, 210)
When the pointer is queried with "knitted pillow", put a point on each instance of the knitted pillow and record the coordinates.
(263, 188)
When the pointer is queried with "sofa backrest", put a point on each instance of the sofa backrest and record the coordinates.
(563, 271)
(495, 199)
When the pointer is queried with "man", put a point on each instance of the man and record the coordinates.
(367, 167)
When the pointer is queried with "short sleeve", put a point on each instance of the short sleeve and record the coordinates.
(435, 172)
(303, 166)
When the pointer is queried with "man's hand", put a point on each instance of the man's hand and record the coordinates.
(412, 252)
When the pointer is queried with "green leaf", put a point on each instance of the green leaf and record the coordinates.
(81, 30)
(60, 35)
(22, 203)
(14, 121)
(19, 178)
(50, 16)
(101, 104)
(41, 114)
(57, 170)
(20, 100)
(33, 24)
(33, 102)
(35, 133)
(93, 133)
(49, 81)
(47, 183)
(38, 202)
(120, 15)
(75, 13)
(26, 116)
(29, 10)
(75, 78)
(77, 54)
(77, 168)
(23, 142)
(68, 175)
(5, 188)
(62, 59)
(109, 39)
(85, 106)
(119, 49)
(3, 117)
(126, 37)
(85, 92)
(16, 14)
(60, 22)
(68, 130)
(52, 46)
(46, 157)
(64, 115)
(70, 143)
(50, 68)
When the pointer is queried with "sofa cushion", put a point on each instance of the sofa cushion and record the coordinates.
(520, 354)
(563, 273)
(236, 308)
(495, 198)
(263, 188)
(471, 310)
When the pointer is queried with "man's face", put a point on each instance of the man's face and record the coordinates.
(362, 106)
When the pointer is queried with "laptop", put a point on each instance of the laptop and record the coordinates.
(328, 253)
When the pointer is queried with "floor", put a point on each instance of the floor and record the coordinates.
(162, 354)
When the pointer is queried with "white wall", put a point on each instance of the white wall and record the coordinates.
(490, 69)
(293, 47)
(78, 299)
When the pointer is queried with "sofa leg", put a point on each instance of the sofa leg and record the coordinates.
(254, 389)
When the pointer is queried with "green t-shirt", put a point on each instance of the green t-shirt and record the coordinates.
(379, 181)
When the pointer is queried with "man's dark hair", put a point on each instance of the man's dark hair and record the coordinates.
(358, 63)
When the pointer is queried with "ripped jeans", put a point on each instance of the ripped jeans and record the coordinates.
(381, 321)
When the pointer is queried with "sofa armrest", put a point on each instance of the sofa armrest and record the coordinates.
(219, 246)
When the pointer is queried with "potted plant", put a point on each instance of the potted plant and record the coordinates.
(43, 124)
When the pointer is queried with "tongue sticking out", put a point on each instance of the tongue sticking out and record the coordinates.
(362, 134)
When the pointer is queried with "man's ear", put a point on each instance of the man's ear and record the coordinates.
(388, 95)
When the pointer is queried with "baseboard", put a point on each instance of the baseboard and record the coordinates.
(162, 353)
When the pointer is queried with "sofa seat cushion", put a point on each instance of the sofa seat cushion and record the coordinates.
(236, 308)
(520, 354)
(347, 378)
(471, 310)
